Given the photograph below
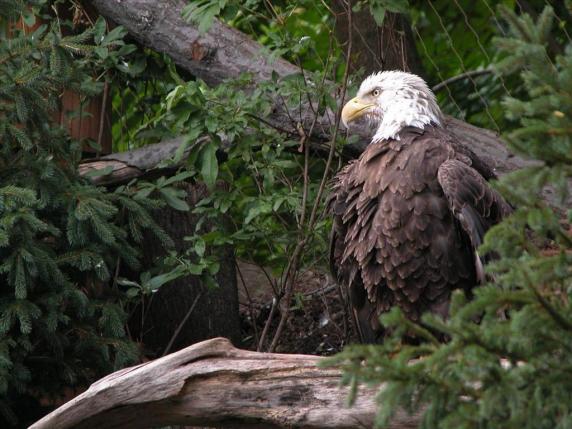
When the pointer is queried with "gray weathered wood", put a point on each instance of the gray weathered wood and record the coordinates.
(214, 384)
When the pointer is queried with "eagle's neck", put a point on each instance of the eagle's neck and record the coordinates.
(417, 112)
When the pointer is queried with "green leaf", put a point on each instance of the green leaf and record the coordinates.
(200, 247)
(156, 282)
(196, 269)
(114, 36)
(179, 177)
(203, 12)
(378, 13)
(173, 199)
(378, 8)
(133, 292)
(208, 164)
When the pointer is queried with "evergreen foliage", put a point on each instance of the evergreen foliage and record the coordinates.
(512, 369)
(61, 238)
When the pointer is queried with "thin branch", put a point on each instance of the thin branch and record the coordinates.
(251, 313)
(180, 327)
(267, 325)
(462, 76)
(102, 117)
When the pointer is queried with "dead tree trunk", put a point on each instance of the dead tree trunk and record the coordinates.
(214, 384)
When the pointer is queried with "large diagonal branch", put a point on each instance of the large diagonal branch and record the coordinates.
(214, 384)
(224, 53)
(221, 53)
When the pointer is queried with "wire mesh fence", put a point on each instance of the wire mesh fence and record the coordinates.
(456, 41)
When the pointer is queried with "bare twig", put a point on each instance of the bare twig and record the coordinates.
(466, 75)
(251, 313)
(102, 117)
(267, 325)
(180, 327)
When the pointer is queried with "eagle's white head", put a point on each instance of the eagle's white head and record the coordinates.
(391, 101)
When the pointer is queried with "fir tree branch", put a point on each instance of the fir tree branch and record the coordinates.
(553, 312)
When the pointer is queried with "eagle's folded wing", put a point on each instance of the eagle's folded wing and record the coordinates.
(472, 201)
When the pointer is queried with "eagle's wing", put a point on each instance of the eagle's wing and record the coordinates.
(472, 201)
(470, 158)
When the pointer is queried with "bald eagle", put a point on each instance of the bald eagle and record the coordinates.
(410, 213)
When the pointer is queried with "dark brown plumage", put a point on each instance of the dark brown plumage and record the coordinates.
(408, 216)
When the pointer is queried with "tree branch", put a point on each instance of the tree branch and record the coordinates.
(466, 75)
(223, 53)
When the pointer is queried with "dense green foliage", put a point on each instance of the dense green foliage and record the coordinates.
(513, 368)
(265, 176)
(262, 170)
(61, 238)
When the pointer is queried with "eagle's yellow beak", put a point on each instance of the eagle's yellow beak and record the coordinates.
(354, 109)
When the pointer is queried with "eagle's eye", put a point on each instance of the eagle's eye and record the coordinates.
(376, 92)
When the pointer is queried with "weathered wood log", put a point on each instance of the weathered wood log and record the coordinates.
(213, 384)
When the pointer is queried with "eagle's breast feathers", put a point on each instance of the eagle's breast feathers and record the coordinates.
(408, 216)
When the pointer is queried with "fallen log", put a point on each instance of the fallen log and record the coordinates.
(219, 54)
(214, 384)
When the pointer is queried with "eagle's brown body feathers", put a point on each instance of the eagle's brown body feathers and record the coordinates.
(408, 216)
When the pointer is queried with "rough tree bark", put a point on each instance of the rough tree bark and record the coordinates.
(219, 54)
(389, 47)
(186, 311)
(214, 384)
